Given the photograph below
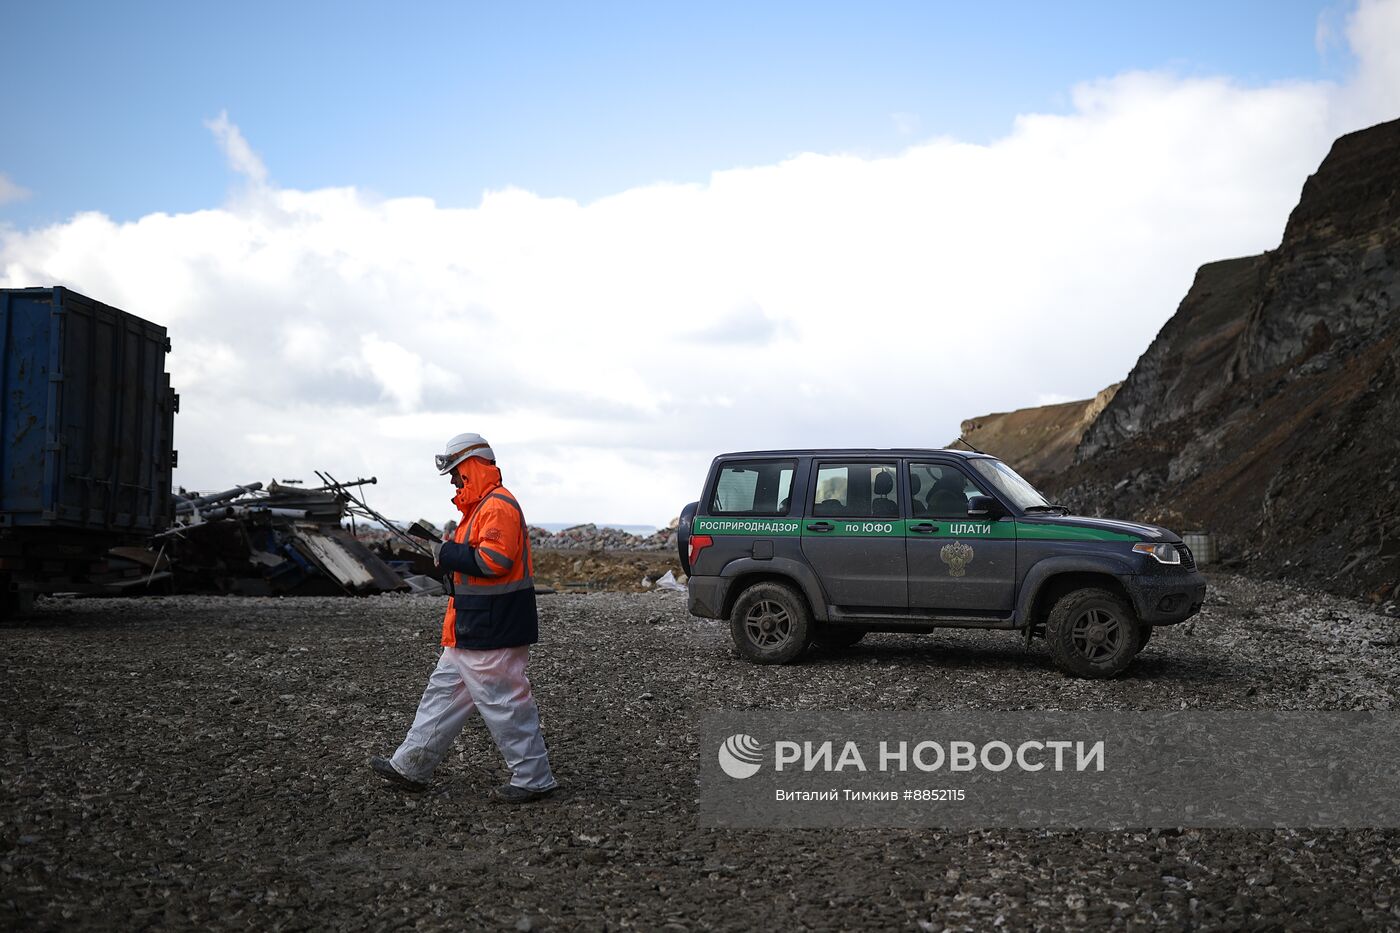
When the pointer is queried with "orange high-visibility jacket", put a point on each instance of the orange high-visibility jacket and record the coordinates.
(493, 605)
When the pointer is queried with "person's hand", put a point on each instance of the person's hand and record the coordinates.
(437, 550)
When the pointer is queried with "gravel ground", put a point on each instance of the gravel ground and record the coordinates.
(197, 761)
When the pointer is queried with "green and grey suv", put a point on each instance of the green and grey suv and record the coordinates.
(796, 547)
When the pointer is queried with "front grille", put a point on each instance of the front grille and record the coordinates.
(1188, 562)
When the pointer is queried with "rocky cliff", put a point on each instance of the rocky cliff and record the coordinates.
(1268, 408)
(1180, 372)
(1335, 275)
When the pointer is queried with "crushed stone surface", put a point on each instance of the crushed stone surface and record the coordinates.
(190, 762)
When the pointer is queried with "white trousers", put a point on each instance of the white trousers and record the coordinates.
(494, 683)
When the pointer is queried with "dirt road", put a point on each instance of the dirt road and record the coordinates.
(199, 762)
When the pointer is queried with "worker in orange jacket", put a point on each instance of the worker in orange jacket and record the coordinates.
(491, 621)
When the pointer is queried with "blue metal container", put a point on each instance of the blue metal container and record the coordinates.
(87, 416)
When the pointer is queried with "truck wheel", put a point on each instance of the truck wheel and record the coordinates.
(1145, 633)
(770, 624)
(837, 636)
(1092, 633)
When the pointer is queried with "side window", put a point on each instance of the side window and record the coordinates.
(939, 490)
(856, 490)
(756, 487)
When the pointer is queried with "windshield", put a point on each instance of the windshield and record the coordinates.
(1009, 483)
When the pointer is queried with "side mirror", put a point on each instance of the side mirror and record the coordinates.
(983, 507)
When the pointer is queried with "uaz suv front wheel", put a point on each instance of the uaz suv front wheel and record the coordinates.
(1092, 633)
(770, 623)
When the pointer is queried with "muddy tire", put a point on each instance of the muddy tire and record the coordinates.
(1092, 633)
(770, 624)
(1144, 636)
(837, 637)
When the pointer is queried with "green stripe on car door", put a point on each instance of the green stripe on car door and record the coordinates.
(962, 528)
(1036, 532)
(898, 528)
(765, 527)
(853, 528)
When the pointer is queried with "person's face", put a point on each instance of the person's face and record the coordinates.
(457, 480)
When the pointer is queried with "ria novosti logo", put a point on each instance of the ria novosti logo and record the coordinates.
(740, 756)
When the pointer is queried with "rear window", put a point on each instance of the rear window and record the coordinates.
(856, 490)
(754, 487)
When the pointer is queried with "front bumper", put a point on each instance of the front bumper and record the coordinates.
(706, 596)
(1167, 599)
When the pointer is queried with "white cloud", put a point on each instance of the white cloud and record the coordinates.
(1325, 33)
(241, 157)
(1373, 33)
(271, 440)
(610, 349)
(9, 191)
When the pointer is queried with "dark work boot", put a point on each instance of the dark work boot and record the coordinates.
(385, 769)
(509, 793)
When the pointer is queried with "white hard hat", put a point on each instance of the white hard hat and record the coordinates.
(460, 448)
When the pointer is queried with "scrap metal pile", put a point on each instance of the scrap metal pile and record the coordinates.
(286, 539)
(289, 539)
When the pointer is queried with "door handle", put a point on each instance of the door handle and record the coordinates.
(923, 528)
(820, 526)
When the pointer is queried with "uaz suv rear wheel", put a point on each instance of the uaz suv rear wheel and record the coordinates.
(1092, 633)
(770, 623)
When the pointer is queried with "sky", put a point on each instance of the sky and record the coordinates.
(618, 239)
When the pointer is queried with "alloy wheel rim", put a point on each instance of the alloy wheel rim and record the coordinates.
(1097, 634)
(767, 624)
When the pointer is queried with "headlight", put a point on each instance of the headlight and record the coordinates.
(1162, 553)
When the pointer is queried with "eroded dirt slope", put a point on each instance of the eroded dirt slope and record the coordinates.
(1038, 442)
